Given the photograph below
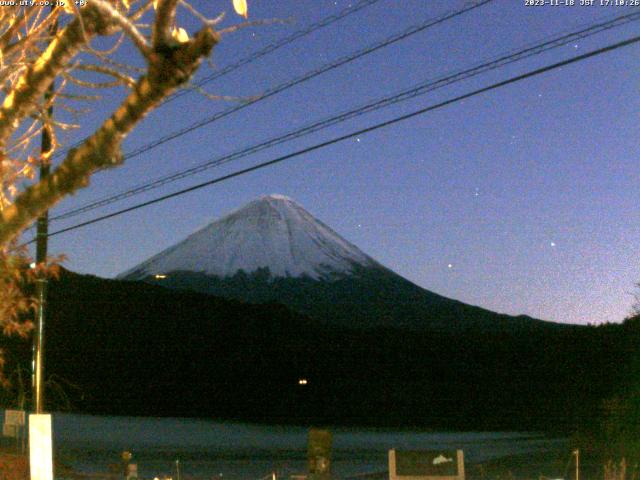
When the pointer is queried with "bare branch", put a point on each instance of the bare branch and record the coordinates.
(75, 112)
(79, 97)
(141, 11)
(125, 79)
(167, 71)
(253, 23)
(110, 51)
(206, 21)
(15, 27)
(127, 27)
(97, 85)
(36, 79)
(122, 66)
(165, 19)
(25, 138)
(226, 98)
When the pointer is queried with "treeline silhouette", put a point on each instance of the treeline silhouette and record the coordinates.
(137, 349)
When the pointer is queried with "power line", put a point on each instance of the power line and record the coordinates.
(420, 89)
(413, 30)
(363, 131)
(431, 22)
(275, 46)
(325, 22)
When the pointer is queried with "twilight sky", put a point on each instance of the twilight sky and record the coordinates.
(523, 200)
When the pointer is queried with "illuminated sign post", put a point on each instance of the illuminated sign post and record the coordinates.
(319, 453)
(14, 427)
(426, 465)
(13, 422)
(40, 447)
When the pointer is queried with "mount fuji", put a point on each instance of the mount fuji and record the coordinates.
(272, 233)
(273, 251)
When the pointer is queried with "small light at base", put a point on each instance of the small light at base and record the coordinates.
(159, 276)
(302, 381)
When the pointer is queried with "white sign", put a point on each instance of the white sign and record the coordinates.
(14, 417)
(13, 421)
(40, 447)
(426, 465)
(132, 471)
(10, 430)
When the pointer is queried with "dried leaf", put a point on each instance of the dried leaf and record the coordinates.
(29, 172)
(68, 7)
(240, 6)
(180, 35)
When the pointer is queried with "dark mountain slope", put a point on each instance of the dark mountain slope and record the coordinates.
(369, 297)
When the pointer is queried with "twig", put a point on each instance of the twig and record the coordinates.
(252, 23)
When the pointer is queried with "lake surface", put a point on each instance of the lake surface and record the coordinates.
(209, 449)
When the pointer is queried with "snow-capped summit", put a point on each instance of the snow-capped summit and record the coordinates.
(272, 232)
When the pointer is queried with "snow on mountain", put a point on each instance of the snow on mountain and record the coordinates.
(271, 232)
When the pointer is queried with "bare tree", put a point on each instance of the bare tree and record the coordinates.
(42, 67)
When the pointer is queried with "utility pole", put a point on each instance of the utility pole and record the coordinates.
(42, 234)
(41, 286)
